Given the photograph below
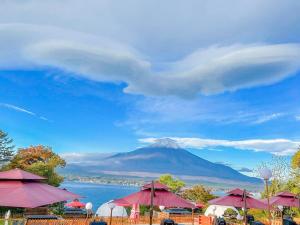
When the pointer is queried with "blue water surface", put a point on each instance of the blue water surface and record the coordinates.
(98, 194)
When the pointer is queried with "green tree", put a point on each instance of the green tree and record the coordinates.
(281, 169)
(295, 162)
(275, 186)
(175, 185)
(198, 194)
(286, 175)
(230, 213)
(6, 148)
(293, 183)
(40, 160)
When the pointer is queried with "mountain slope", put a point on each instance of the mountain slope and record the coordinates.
(161, 158)
(174, 161)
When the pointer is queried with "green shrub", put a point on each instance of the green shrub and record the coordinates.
(230, 213)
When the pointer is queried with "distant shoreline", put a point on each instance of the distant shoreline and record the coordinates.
(99, 183)
(106, 180)
(218, 189)
(84, 184)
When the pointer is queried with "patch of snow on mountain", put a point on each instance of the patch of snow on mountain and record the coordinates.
(166, 143)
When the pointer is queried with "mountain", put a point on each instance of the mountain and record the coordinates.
(164, 156)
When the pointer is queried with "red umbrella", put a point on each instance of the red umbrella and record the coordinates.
(18, 174)
(199, 205)
(123, 204)
(25, 190)
(236, 198)
(155, 194)
(162, 197)
(240, 199)
(285, 199)
(75, 204)
(157, 186)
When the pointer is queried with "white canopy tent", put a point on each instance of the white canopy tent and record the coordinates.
(218, 210)
(104, 211)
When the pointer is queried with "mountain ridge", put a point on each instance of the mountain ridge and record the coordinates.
(161, 158)
(181, 162)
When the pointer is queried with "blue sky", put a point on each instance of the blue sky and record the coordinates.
(108, 76)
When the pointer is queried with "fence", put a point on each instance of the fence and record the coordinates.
(180, 219)
(115, 221)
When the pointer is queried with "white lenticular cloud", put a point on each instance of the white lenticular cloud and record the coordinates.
(206, 71)
(219, 69)
(274, 146)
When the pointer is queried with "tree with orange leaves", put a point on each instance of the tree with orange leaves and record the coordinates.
(40, 160)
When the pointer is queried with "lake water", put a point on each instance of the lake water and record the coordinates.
(98, 194)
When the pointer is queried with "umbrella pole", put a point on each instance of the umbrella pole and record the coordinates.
(110, 217)
(192, 216)
(151, 202)
(245, 207)
(281, 213)
(268, 199)
(298, 201)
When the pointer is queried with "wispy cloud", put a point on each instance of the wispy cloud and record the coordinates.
(221, 110)
(16, 108)
(44, 118)
(245, 170)
(22, 110)
(86, 157)
(297, 118)
(274, 146)
(266, 118)
(224, 163)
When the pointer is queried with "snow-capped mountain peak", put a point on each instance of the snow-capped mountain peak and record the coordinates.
(165, 143)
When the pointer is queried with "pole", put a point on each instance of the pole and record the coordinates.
(268, 199)
(192, 216)
(298, 196)
(245, 206)
(281, 213)
(122, 216)
(110, 218)
(151, 202)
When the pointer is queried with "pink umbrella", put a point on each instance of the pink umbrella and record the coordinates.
(162, 197)
(135, 213)
(240, 199)
(18, 174)
(155, 194)
(236, 198)
(75, 204)
(285, 199)
(199, 205)
(25, 190)
(157, 186)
